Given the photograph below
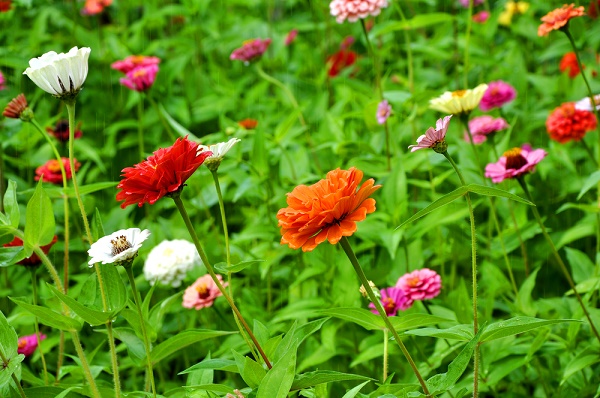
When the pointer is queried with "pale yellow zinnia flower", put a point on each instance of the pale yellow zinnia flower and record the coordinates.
(460, 101)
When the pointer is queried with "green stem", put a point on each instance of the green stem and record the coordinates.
(467, 40)
(137, 299)
(211, 271)
(385, 355)
(562, 265)
(84, 364)
(34, 283)
(44, 259)
(365, 282)
(140, 130)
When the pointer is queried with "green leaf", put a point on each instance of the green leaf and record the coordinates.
(251, 371)
(11, 206)
(93, 317)
(6, 371)
(39, 220)
(584, 360)
(98, 228)
(279, 379)
(360, 316)
(516, 325)
(581, 265)
(352, 393)
(9, 341)
(412, 321)
(59, 192)
(181, 340)
(311, 379)
(11, 255)
(116, 292)
(417, 22)
(458, 332)
(589, 183)
(135, 345)
(527, 305)
(182, 131)
(216, 364)
(489, 191)
(49, 317)
(443, 201)
(224, 269)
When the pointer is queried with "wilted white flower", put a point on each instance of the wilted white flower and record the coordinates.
(460, 101)
(169, 262)
(118, 247)
(218, 152)
(61, 75)
(586, 105)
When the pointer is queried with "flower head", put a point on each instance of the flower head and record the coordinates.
(51, 170)
(567, 123)
(162, 173)
(17, 109)
(5, 5)
(202, 293)
(384, 110)
(558, 18)
(61, 75)
(497, 95)
(460, 101)
(593, 9)
(569, 62)
(434, 138)
(118, 248)
(291, 36)
(248, 124)
(340, 61)
(251, 50)
(93, 7)
(392, 300)
(218, 152)
(169, 262)
(586, 105)
(28, 344)
(465, 3)
(421, 284)
(510, 9)
(353, 10)
(326, 210)
(140, 78)
(134, 61)
(514, 163)
(482, 126)
(2, 81)
(61, 131)
(481, 17)
(33, 260)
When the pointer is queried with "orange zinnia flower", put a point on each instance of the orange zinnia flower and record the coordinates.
(557, 19)
(567, 123)
(248, 124)
(326, 210)
(569, 61)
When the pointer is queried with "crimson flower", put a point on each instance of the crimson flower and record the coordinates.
(61, 131)
(569, 62)
(165, 172)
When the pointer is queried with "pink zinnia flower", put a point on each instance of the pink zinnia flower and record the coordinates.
(202, 293)
(352, 10)
(392, 300)
(497, 95)
(434, 138)
(421, 284)
(384, 110)
(51, 170)
(514, 163)
(465, 3)
(482, 126)
(2, 82)
(93, 7)
(133, 61)
(289, 39)
(140, 78)
(481, 16)
(28, 344)
(251, 50)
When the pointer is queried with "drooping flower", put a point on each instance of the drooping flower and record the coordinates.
(218, 152)
(465, 3)
(61, 75)
(134, 61)
(460, 101)
(353, 10)
(28, 344)
(33, 260)
(51, 171)
(481, 17)
(514, 163)
(340, 61)
(93, 7)
(5, 5)
(482, 126)
(291, 36)
(567, 123)
(202, 293)
(248, 124)
(558, 18)
(434, 138)
(2, 81)
(326, 210)
(61, 131)
(162, 173)
(169, 262)
(251, 50)
(498, 94)
(421, 284)
(17, 109)
(512, 8)
(586, 105)
(118, 248)
(140, 78)
(392, 300)
(384, 110)
(569, 62)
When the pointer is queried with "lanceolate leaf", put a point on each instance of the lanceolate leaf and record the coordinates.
(50, 317)
(11, 206)
(443, 201)
(490, 191)
(516, 325)
(310, 379)
(182, 340)
(93, 317)
(39, 220)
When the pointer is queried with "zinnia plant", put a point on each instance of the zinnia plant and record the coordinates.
(51, 171)
(559, 18)
(251, 50)
(459, 102)
(567, 123)
(28, 344)
(353, 10)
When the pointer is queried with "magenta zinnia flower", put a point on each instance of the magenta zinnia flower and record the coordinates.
(384, 110)
(353, 10)
(514, 163)
(140, 78)
(2, 81)
(291, 36)
(250, 50)
(434, 138)
(421, 284)
(482, 126)
(498, 94)
(465, 3)
(392, 300)
(28, 344)
(202, 293)
(134, 61)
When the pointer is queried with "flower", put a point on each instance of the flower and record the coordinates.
(392, 300)
(134, 61)
(17, 109)
(169, 262)
(50, 171)
(498, 94)
(481, 17)
(340, 61)
(586, 105)
(465, 3)
(384, 110)
(93, 7)
(61, 131)
(364, 293)
(460, 101)
(33, 260)
(569, 61)
(61, 75)
(218, 152)
(251, 50)
(510, 9)
(5, 5)
(291, 36)
(567, 123)
(28, 344)
(140, 78)
(202, 293)
(162, 173)
(2, 82)
(118, 248)
(352, 10)
(593, 9)
(514, 163)
(248, 124)
(326, 210)
(482, 126)
(421, 284)
(434, 138)
(558, 18)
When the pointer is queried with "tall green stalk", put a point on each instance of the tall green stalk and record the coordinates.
(140, 129)
(34, 285)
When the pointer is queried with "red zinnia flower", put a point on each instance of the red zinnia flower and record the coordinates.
(248, 124)
(61, 131)
(567, 123)
(5, 5)
(569, 61)
(339, 61)
(34, 259)
(558, 18)
(51, 171)
(162, 173)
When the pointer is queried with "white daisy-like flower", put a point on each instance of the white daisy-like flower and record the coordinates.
(586, 105)
(460, 101)
(61, 75)
(118, 247)
(218, 152)
(169, 262)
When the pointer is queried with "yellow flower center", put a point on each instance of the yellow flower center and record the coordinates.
(412, 282)
(54, 166)
(139, 73)
(388, 304)
(138, 59)
(22, 343)
(459, 93)
(119, 245)
(202, 290)
(514, 159)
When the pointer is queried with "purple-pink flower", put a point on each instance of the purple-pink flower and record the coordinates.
(465, 3)
(392, 300)
(28, 344)
(481, 16)
(384, 110)
(250, 50)
(514, 163)
(140, 78)
(482, 126)
(202, 293)
(353, 10)
(434, 138)
(497, 95)
(291, 36)
(2, 81)
(421, 284)
(134, 61)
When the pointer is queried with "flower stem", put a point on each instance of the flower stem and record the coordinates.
(365, 282)
(84, 363)
(140, 115)
(211, 271)
(562, 265)
(385, 355)
(138, 305)
(34, 285)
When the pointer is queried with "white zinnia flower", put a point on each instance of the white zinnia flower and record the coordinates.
(118, 247)
(61, 75)
(460, 101)
(586, 105)
(218, 152)
(169, 262)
